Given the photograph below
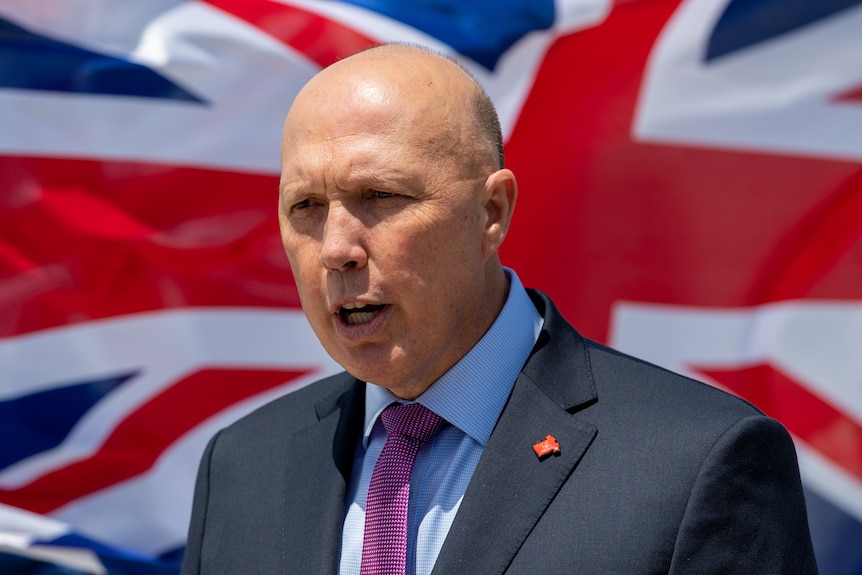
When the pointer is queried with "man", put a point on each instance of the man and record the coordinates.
(552, 453)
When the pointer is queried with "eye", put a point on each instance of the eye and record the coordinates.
(301, 208)
(381, 194)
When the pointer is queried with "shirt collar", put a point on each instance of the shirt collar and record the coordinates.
(471, 395)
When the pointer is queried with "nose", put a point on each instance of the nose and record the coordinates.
(342, 246)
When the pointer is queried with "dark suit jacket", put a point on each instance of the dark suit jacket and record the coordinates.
(657, 474)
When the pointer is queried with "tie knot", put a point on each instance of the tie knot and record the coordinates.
(412, 420)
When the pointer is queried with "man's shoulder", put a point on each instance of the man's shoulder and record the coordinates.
(649, 409)
(621, 380)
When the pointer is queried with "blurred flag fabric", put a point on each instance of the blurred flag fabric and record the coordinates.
(690, 191)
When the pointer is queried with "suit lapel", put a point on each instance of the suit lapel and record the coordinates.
(511, 487)
(314, 499)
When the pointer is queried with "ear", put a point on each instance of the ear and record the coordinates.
(501, 191)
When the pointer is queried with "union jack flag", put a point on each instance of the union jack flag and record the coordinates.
(691, 192)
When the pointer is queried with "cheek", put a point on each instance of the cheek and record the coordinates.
(445, 229)
(295, 265)
(409, 252)
(430, 260)
(302, 260)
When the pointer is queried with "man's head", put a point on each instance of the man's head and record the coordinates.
(393, 203)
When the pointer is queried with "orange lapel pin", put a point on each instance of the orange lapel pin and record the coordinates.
(547, 446)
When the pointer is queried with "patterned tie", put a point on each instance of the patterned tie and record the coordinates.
(384, 547)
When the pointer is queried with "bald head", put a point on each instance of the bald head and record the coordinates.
(412, 89)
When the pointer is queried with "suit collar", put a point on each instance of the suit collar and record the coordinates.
(349, 408)
(319, 461)
(511, 487)
(559, 364)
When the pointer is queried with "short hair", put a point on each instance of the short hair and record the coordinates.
(489, 122)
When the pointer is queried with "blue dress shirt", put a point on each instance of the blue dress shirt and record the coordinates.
(470, 396)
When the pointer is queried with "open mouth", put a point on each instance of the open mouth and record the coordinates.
(356, 313)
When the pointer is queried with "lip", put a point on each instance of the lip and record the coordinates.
(336, 305)
(362, 330)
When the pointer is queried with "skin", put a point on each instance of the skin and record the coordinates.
(389, 196)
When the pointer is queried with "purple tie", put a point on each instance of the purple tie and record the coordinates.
(384, 547)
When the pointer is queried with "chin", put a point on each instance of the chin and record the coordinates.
(372, 363)
(364, 370)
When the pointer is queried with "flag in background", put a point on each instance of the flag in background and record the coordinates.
(691, 192)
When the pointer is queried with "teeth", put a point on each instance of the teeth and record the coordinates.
(362, 317)
(356, 312)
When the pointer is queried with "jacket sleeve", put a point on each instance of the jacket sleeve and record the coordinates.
(194, 543)
(746, 511)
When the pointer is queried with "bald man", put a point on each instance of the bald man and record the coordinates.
(550, 453)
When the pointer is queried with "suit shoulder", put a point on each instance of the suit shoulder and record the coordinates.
(576, 371)
(642, 409)
(617, 374)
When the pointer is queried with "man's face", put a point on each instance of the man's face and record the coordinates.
(385, 230)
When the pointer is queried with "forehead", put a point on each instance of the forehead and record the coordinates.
(354, 160)
(390, 109)
(355, 144)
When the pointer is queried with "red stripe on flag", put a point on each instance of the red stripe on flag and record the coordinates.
(86, 239)
(322, 40)
(854, 95)
(142, 437)
(812, 247)
(833, 433)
